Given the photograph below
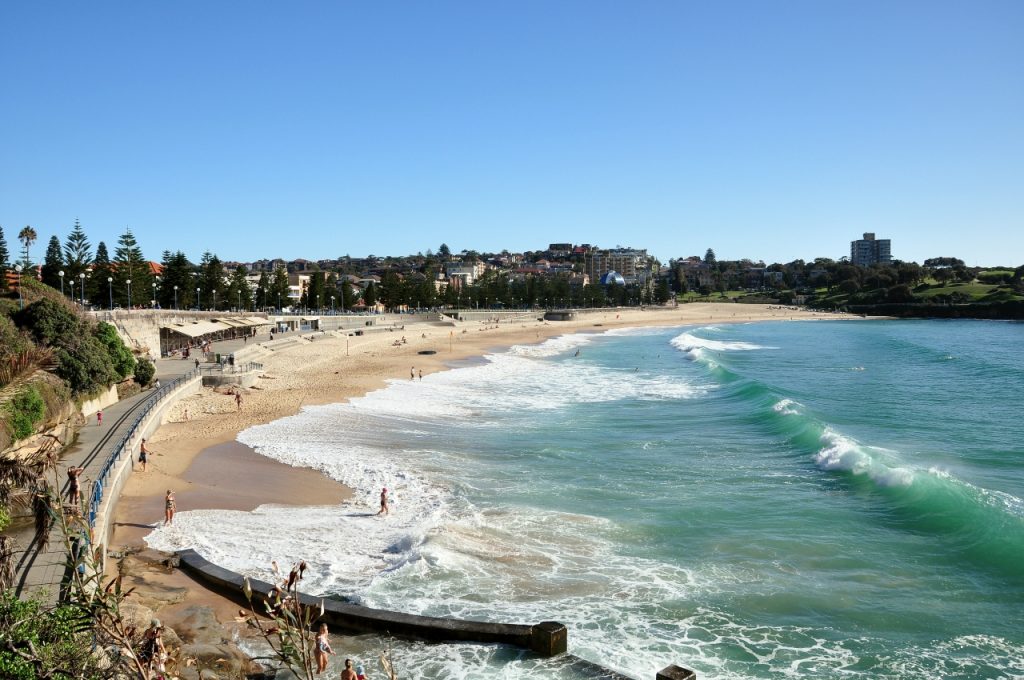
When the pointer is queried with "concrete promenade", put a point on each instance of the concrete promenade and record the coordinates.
(41, 570)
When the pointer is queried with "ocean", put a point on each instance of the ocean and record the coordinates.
(812, 499)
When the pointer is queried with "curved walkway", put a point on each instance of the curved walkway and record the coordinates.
(40, 571)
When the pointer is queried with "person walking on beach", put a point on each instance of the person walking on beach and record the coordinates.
(323, 648)
(238, 400)
(420, 371)
(348, 673)
(412, 373)
(143, 454)
(74, 485)
(383, 502)
(169, 507)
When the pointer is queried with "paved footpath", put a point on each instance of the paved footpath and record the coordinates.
(41, 571)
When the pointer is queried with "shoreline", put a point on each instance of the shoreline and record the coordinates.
(196, 448)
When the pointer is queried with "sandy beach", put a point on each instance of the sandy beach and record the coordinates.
(196, 455)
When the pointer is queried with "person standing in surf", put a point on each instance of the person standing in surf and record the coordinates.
(169, 507)
(323, 648)
(383, 502)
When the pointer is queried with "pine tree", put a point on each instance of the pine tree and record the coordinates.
(97, 288)
(5, 261)
(370, 295)
(177, 284)
(53, 264)
(77, 252)
(239, 293)
(130, 265)
(279, 288)
(262, 290)
(211, 280)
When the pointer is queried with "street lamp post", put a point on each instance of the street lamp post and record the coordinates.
(21, 301)
(61, 275)
(110, 291)
(199, 305)
(81, 286)
(239, 292)
(175, 298)
(129, 282)
(332, 305)
(154, 295)
(215, 299)
(71, 283)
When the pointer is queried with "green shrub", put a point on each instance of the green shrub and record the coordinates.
(50, 322)
(144, 371)
(25, 410)
(85, 365)
(120, 356)
(60, 638)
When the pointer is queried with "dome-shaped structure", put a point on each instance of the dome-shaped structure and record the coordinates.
(612, 277)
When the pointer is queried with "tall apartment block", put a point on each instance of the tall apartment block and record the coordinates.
(869, 250)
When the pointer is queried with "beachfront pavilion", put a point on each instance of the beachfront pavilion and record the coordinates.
(175, 337)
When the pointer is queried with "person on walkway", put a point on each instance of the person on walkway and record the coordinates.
(99, 418)
(197, 362)
(74, 485)
(348, 673)
(323, 648)
(169, 507)
(383, 502)
(143, 454)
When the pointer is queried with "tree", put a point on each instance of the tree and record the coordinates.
(239, 293)
(177, 286)
(53, 263)
(709, 257)
(444, 252)
(262, 289)
(27, 236)
(130, 265)
(4, 260)
(97, 286)
(279, 288)
(211, 280)
(77, 252)
(370, 295)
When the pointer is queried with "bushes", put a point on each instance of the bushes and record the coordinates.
(25, 410)
(88, 357)
(120, 356)
(144, 371)
(59, 638)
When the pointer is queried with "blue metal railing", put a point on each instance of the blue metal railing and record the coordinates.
(148, 406)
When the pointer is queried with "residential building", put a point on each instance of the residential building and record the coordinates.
(869, 250)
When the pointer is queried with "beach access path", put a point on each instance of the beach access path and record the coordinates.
(40, 570)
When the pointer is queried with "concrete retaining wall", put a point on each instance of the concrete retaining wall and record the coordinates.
(100, 402)
(546, 639)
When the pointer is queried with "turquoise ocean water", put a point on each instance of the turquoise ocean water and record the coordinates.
(803, 499)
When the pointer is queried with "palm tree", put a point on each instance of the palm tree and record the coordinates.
(27, 236)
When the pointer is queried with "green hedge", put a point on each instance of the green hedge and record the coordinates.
(23, 412)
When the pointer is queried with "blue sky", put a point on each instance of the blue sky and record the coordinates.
(768, 130)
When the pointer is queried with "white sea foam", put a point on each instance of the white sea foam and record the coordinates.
(844, 453)
(696, 347)
(787, 407)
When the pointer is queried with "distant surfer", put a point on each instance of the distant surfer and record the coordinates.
(383, 502)
(577, 353)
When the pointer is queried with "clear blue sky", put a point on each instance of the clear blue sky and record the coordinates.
(774, 130)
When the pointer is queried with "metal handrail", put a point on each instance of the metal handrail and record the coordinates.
(151, 403)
